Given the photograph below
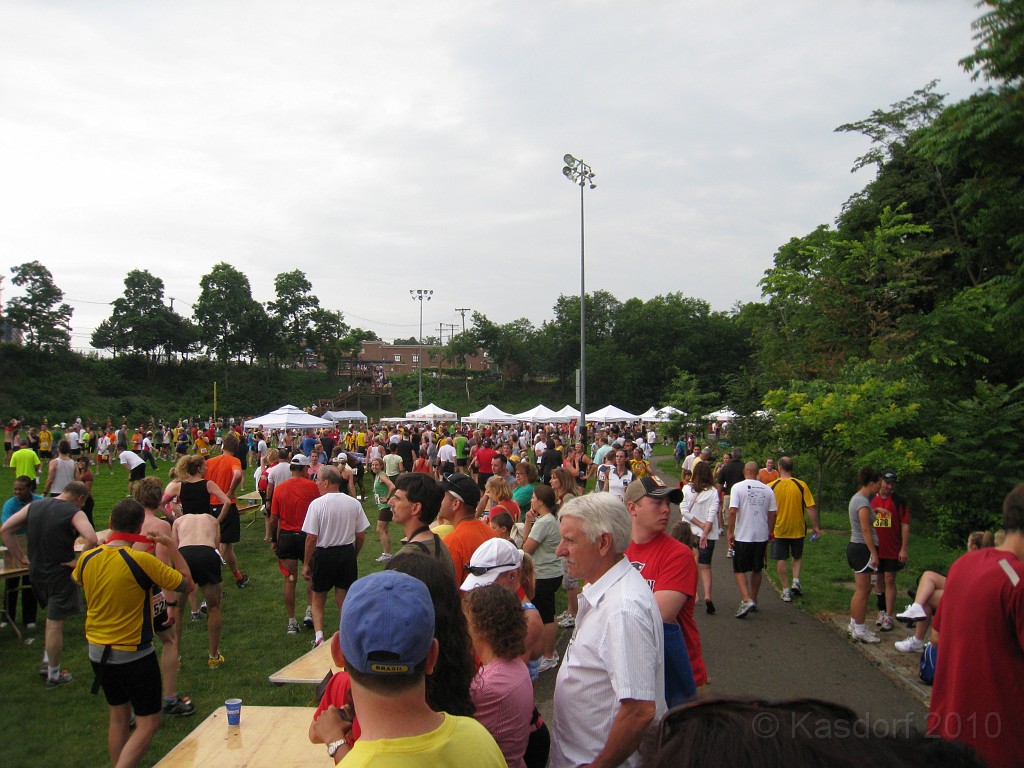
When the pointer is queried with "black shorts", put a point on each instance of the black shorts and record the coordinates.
(137, 682)
(76, 452)
(7, 446)
(59, 595)
(161, 618)
(544, 598)
(783, 549)
(704, 555)
(333, 567)
(461, 462)
(137, 474)
(447, 468)
(204, 563)
(749, 556)
(482, 478)
(181, 448)
(231, 527)
(889, 565)
(385, 515)
(291, 545)
(859, 557)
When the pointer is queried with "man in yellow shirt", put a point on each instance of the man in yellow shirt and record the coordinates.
(386, 644)
(793, 497)
(118, 583)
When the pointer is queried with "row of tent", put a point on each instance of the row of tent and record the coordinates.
(290, 417)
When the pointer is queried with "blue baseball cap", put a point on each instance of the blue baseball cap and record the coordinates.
(387, 624)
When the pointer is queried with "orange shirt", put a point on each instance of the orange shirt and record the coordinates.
(767, 477)
(462, 543)
(221, 469)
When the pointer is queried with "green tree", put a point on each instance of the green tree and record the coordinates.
(294, 308)
(224, 313)
(39, 313)
(869, 418)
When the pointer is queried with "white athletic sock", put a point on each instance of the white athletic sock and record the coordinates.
(319, 636)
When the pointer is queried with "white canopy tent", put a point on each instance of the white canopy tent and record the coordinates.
(489, 414)
(337, 416)
(287, 417)
(611, 413)
(725, 414)
(431, 412)
(665, 413)
(569, 412)
(543, 414)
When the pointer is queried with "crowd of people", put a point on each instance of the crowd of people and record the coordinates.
(494, 522)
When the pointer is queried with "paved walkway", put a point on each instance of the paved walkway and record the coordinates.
(783, 652)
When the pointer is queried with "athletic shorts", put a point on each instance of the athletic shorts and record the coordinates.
(101, 459)
(889, 565)
(59, 595)
(76, 452)
(385, 515)
(704, 555)
(544, 598)
(461, 462)
(7, 446)
(749, 556)
(447, 468)
(333, 567)
(859, 557)
(137, 474)
(204, 563)
(783, 549)
(231, 527)
(291, 545)
(181, 448)
(137, 682)
(482, 478)
(161, 616)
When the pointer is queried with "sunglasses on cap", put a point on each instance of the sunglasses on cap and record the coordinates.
(480, 570)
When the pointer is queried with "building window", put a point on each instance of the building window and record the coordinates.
(398, 358)
(415, 358)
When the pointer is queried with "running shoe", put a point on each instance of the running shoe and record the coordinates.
(567, 621)
(910, 645)
(864, 635)
(317, 642)
(746, 606)
(886, 623)
(63, 678)
(881, 619)
(195, 615)
(243, 582)
(913, 612)
(214, 663)
(44, 671)
(548, 663)
(203, 609)
(384, 557)
(787, 596)
(307, 620)
(796, 589)
(293, 627)
(730, 552)
(754, 608)
(183, 707)
(709, 606)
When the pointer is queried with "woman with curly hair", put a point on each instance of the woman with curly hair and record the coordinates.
(502, 691)
(563, 484)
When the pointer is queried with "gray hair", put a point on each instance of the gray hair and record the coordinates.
(330, 475)
(601, 513)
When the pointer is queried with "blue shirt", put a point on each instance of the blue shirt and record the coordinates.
(13, 505)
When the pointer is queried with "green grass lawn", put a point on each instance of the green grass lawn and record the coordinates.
(67, 726)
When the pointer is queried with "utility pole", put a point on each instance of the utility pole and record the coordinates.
(462, 311)
(440, 334)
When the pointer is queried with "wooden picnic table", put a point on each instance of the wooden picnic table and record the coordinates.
(266, 737)
(311, 668)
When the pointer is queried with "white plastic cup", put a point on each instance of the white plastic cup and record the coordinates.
(234, 707)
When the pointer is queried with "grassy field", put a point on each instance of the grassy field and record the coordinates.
(67, 726)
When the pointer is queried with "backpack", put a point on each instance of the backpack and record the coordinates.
(929, 658)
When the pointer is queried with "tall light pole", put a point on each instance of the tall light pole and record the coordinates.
(420, 295)
(581, 174)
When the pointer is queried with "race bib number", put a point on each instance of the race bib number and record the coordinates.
(883, 521)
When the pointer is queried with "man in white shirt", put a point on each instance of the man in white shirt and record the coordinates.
(752, 511)
(334, 526)
(615, 660)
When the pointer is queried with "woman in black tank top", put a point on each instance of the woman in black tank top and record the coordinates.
(192, 490)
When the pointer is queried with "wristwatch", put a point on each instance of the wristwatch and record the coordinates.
(334, 746)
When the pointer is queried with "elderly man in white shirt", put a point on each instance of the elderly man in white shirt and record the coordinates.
(615, 660)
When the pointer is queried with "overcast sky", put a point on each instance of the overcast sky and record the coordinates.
(386, 146)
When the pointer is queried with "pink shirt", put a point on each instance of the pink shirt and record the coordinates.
(503, 696)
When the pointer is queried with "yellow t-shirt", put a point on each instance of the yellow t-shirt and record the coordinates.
(458, 742)
(118, 594)
(792, 496)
